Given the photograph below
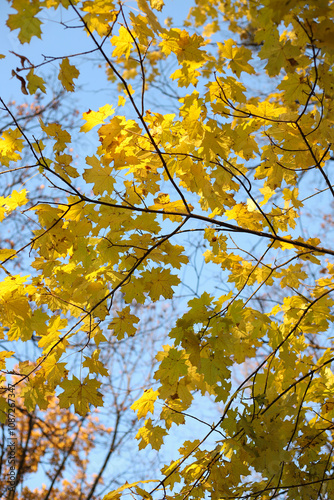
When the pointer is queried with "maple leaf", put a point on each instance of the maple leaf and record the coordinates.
(67, 74)
(94, 365)
(100, 14)
(172, 414)
(3, 356)
(5, 253)
(10, 143)
(136, 292)
(189, 47)
(99, 175)
(188, 74)
(162, 202)
(124, 324)
(115, 495)
(3, 407)
(81, 394)
(157, 4)
(56, 130)
(94, 118)
(145, 403)
(151, 17)
(25, 20)
(172, 366)
(162, 282)
(152, 435)
(275, 51)
(294, 87)
(53, 370)
(238, 56)
(36, 392)
(184, 46)
(50, 336)
(35, 82)
(14, 200)
(123, 43)
(17, 306)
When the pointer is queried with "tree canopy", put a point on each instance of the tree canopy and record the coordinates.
(204, 176)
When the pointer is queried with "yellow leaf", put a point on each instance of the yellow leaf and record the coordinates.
(150, 16)
(16, 306)
(124, 324)
(121, 100)
(123, 43)
(35, 82)
(54, 371)
(67, 74)
(3, 405)
(25, 20)
(25, 367)
(161, 283)
(10, 143)
(94, 365)
(184, 46)
(172, 367)
(94, 118)
(6, 253)
(99, 175)
(188, 74)
(276, 52)
(162, 202)
(36, 392)
(81, 394)
(294, 88)
(15, 199)
(100, 15)
(55, 130)
(143, 493)
(152, 435)
(145, 403)
(157, 4)
(238, 57)
(3, 356)
(50, 337)
(114, 495)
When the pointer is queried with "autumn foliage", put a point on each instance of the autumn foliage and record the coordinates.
(218, 136)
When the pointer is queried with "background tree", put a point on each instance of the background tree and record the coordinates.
(62, 455)
(241, 171)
